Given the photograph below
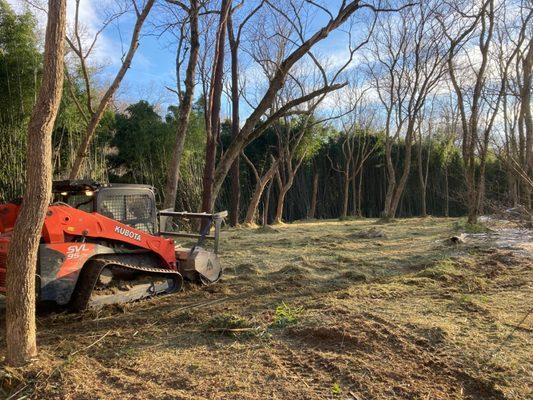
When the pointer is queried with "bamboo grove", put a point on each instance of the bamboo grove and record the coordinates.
(428, 113)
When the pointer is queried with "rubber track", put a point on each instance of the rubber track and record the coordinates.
(92, 270)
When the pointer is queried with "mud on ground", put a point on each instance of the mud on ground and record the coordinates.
(314, 310)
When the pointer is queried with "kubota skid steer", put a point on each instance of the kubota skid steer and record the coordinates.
(106, 244)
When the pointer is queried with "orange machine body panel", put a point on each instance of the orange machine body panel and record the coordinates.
(70, 237)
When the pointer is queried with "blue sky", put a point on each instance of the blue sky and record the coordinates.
(154, 64)
(153, 67)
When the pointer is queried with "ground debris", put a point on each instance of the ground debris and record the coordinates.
(370, 233)
(458, 239)
(316, 316)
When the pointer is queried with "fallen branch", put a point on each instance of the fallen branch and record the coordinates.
(91, 345)
(196, 305)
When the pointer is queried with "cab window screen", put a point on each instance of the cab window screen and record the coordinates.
(135, 210)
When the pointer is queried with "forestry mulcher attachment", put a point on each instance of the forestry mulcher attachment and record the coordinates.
(107, 244)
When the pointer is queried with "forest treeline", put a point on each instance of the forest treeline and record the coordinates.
(387, 107)
(437, 118)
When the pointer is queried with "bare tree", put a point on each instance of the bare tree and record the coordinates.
(234, 37)
(478, 96)
(292, 151)
(214, 101)
(514, 38)
(355, 122)
(96, 113)
(262, 179)
(406, 65)
(425, 125)
(185, 97)
(22, 255)
(253, 126)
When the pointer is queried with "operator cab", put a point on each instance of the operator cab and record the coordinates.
(131, 204)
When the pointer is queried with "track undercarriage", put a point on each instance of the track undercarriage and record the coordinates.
(122, 278)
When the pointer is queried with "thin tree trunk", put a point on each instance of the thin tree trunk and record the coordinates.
(185, 107)
(471, 199)
(235, 170)
(345, 194)
(447, 192)
(354, 193)
(285, 187)
(278, 218)
(360, 194)
(526, 115)
(235, 193)
(97, 116)
(421, 179)
(424, 205)
(314, 194)
(266, 203)
(391, 181)
(214, 118)
(258, 192)
(22, 255)
(254, 203)
(398, 192)
(480, 200)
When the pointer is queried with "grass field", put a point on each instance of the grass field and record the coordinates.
(311, 310)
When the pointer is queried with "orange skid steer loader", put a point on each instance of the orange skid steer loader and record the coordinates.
(106, 244)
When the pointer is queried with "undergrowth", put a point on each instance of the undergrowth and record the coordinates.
(463, 226)
(286, 315)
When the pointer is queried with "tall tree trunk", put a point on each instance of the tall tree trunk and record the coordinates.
(391, 181)
(398, 192)
(446, 192)
(254, 203)
(97, 116)
(235, 193)
(235, 168)
(214, 118)
(314, 194)
(345, 193)
(258, 192)
(354, 192)
(22, 255)
(471, 199)
(278, 218)
(285, 186)
(424, 203)
(185, 108)
(422, 180)
(480, 200)
(526, 116)
(266, 203)
(360, 194)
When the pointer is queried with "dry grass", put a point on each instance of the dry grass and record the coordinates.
(308, 311)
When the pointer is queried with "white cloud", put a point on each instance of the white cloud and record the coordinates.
(92, 15)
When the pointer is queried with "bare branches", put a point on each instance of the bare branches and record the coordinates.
(181, 4)
(99, 111)
(406, 64)
(278, 79)
(77, 45)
